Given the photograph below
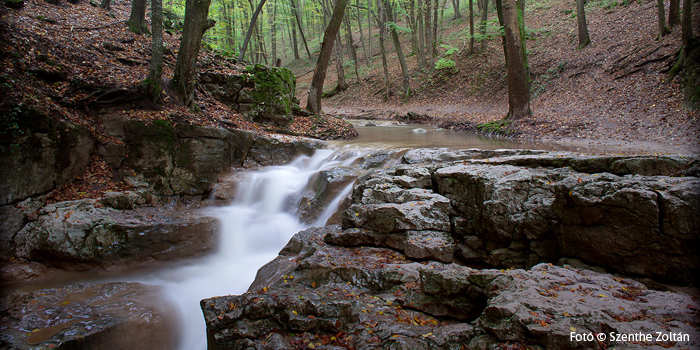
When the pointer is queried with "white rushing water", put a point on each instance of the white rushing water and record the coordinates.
(254, 228)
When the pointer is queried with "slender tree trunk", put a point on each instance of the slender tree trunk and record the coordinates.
(455, 5)
(137, 19)
(381, 24)
(227, 27)
(195, 25)
(273, 32)
(428, 37)
(301, 30)
(434, 43)
(369, 29)
(399, 52)
(353, 52)
(663, 30)
(583, 38)
(155, 72)
(294, 41)
(314, 100)
(484, 19)
(422, 61)
(518, 75)
(342, 84)
(686, 40)
(471, 27)
(499, 12)
(674, 13)
(251, 28)
(362, 37)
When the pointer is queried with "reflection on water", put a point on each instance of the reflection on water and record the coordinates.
(390, 134)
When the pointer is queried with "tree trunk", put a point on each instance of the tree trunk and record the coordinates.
(369, 29)
(422, 61)
(499, 12)
(342, 84)
(314, 100)
(471, 27)
(583, 38)
(686, 40)
(195, 25)
(484, 19)
(382, 49)
(137, 20)
(294, 41)
(434, 43)
(674, 13)
(301, 30)
(350, 40)
(399, 52)
(455, 5)
(663, 30)
(155, 72)
(227, 27)
(251, 27)
(518, 76)
(428, 37)
(362, 37)
(273, 32)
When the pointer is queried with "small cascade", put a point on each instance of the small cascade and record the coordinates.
(254, 228)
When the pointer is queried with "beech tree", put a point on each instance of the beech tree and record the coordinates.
(137, 19)
(583, 38)
(516, 62)
(399, 52)
(195, 25)
(663, 30)
(155, 72)
(484, 18)
(250, 29)
(674, 13)
(313, 104)
(686, 41)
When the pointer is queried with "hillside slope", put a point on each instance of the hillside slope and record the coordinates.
(610, 93)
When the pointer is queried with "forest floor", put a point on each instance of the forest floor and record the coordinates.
(610, 95)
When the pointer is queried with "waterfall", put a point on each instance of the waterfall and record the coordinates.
(254, 228)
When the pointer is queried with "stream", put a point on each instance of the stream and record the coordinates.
(262, 217)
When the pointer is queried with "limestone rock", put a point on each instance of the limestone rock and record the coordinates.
(83, 234)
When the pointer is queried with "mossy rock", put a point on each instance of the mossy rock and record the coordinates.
(496, 127)
(269, 97)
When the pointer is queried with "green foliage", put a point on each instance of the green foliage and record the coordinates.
(397, 28)
(493, 30)
(172, 21)
(496, 127)
(449, 50)
(444, 63)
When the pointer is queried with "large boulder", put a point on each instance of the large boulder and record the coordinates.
(179, 159)
(88, 316)
(262, 93)
(87, 234)
(54, 153)
(519, 209)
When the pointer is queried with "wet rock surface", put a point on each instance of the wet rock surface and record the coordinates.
(325, 296)
(117, 229)
(87, 316)
(396, 273)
